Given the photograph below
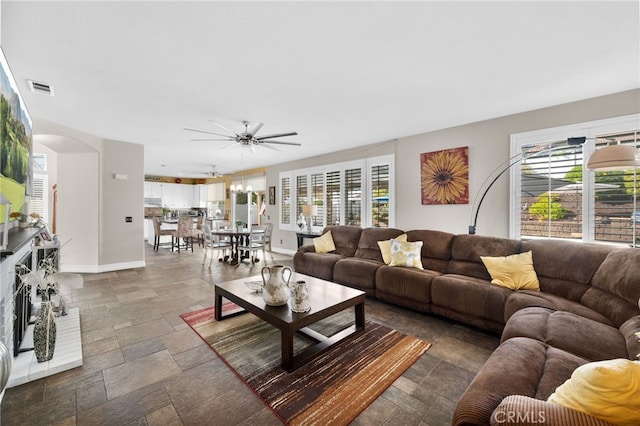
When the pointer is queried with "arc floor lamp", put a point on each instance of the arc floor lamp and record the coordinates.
(612, 157)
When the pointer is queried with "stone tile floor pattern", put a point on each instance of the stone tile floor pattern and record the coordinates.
(144, 366)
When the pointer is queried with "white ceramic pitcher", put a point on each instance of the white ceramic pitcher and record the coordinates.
(275, 290)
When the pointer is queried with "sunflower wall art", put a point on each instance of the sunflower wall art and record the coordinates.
(444, 176)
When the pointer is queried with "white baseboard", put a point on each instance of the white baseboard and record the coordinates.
(96, 269)
(284, 251)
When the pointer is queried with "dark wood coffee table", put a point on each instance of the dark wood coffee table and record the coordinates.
(326, 298)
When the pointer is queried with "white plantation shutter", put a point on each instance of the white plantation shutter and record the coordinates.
(343, 193)
(559, 197)
(379, 195)
(332, 198)
(40, 200)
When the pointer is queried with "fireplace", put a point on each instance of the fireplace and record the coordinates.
(22, 305)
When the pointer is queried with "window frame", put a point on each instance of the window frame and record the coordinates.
(590, 130)
(365, 166)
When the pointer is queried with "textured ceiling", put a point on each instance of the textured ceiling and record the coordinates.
(341, 74)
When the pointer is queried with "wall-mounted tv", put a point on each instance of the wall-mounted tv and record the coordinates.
(15, 145)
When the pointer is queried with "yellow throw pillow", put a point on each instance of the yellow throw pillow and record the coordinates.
(515, 272)
(608, 390)
(385, 247)
(405, 253)
(324, 243)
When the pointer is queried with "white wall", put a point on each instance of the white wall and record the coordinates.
(92, 206)
(78, 211)
(122, 196)
(488, 143)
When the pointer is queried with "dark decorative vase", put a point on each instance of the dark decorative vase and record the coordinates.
(44, 333)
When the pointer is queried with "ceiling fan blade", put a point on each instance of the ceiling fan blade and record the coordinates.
(215, 140)
(225, 128)
(229, 145)
(204, 131)
(270, 147)
(254, 129)
(282, 143)
(277, 135)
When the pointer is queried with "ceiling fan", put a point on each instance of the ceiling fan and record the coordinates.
(213, 173)
(248, 137)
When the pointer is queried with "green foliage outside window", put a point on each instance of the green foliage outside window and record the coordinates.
(548, 206)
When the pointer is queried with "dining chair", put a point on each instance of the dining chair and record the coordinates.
(267, 236)
(184, 231)
(159, 232)
(212, 243)
(198, 233)
(253, 242)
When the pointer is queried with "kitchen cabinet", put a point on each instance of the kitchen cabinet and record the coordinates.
(176, 195)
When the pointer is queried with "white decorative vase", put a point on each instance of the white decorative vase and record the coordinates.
(300, 297)
(275, 290)
(44, 333)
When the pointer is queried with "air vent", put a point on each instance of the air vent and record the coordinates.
(39, 87)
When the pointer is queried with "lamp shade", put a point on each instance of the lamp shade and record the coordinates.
(614, 157)
(310, 210)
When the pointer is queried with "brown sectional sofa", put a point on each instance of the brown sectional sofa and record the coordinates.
(586, 309)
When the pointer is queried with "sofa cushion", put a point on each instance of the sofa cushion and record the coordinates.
(567, 331)
(436, 250)
(467, 249)
(514, 272)
(406, 253)
(356, 272)
(324, 243)
(526, 298)
(470, 297)
(408, 287)
(534, 370)
(615, 287)
(608, 390)
(345, 238)
(368, 247)
(319, 265)
(385, 247)
(565, 268)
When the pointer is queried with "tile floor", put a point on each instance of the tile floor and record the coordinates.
(144, 366)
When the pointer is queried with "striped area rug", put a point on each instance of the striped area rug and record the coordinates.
(332, 388)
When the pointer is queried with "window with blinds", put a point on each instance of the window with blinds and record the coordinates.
(317, 198)
(332, 197)
(353, 196)
(550, 201)
(380, 182)
(615, 198)
(38, 202)
(285, 200)
(352, 193)
(302, 196)
(560, 198)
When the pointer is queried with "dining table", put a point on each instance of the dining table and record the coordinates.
(235, 236)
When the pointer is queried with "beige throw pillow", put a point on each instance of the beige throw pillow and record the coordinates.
(385, 247)
(324, 243)
(515, 272)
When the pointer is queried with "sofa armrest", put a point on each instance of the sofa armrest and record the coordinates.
(309, 248)
(526, 411)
